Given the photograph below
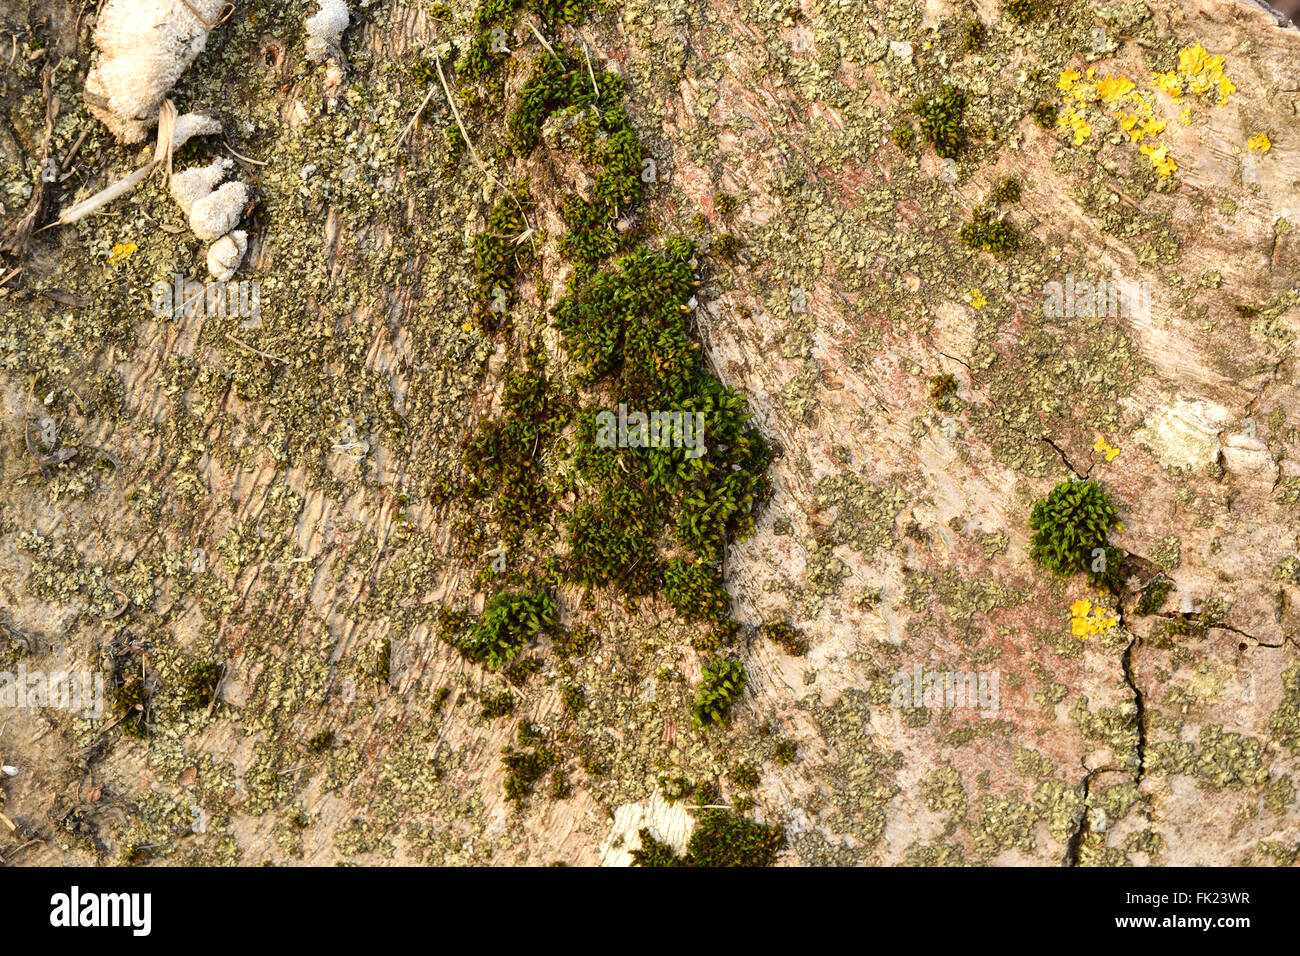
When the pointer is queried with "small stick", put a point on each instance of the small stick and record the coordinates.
(11, 275)
(102, 198)
(411, 125)
(245, 159)
(265, 355)
(67, 160)
(590, 72)
(537, 33)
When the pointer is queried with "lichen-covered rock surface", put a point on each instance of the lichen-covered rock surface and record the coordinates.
(254, 511)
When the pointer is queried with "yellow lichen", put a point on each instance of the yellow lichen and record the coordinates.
(1259, 142)
(121, 252)
(1103, 447)
(1087, 620)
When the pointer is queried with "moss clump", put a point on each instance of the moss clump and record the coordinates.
(320, 743)
(517, 674)
(975, 35)
(745, 776)
(720, 838)
(790, 639)
(941, 121)
(725, 203)
(1008, 190)
(574, 700)
(726, 246)
(1044, 114)
(1154, 595)
(509, 622)
(722, 685)
(652, 852)
(132, 700)
(1070, 527)
(723, 838)
(942, 388)
(504, 455)
(501, 704)
(575, 642)
(997, 236)
(524, 768)
(694, 589)
(785, 753)
(200, 685)
(903, 136)
(1023, 11)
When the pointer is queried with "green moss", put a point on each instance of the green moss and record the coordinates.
(975, 35)
(997, 236)
(132, 701)
(577, 641)
(321, 742)
(524, 768)
(1044, 115)
(725, 203)
(1154, 595)
(694, 589)
(720, 838)
(941, 121)
(1070, 528)
(652, 852)
(1023, 11)
(573, 699)
(726, 246)
(903, 135)
(508, 623)
(1008, 190)
(500, 704)
(504, 456)
(723, 684)
(790, 639)
(745, 776)
(200, 686)
(785, 752)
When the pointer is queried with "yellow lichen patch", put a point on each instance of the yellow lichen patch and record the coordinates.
(1067, 80)
(1103, 447)
(1185, 117)
(1076, 122)
(1114, 89)
(976, 299)
(1087, 620)
(121, 252)
(1160, 159)
(1199, 72)
(1259, 142)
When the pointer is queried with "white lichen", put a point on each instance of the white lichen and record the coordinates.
(144, 47)
(191, 185)
(212, 210)
(325, 29)
(1184, 434)
(191, 125)
(217, 213)
(226, 254)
